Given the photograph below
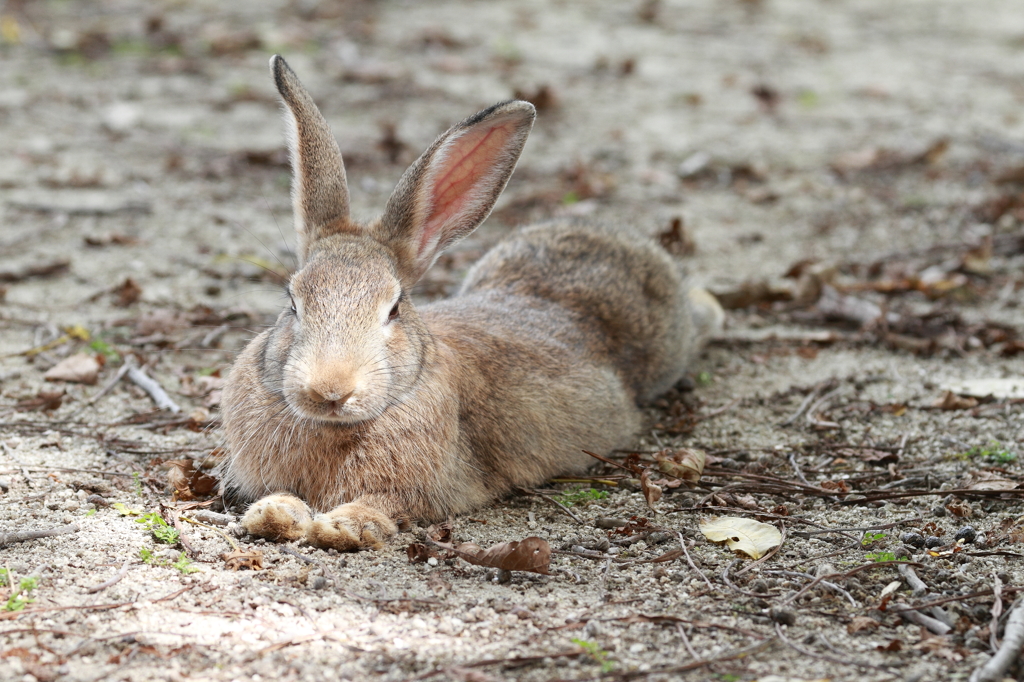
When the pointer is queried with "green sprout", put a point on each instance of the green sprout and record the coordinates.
(704, 379)
(594, 650)
(123, 509)
(884, 556)
(105, 349)
(577, 495)
(19, 598)
(137, 477)
(870, 537)
(993, 452)
(184, 564)
(161, 530)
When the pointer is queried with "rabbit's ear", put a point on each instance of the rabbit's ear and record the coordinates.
(452, 187)
(319, 189)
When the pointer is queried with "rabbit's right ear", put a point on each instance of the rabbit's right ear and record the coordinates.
(452, 187)
(319, 188)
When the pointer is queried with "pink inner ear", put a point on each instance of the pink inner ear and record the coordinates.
(469, 160)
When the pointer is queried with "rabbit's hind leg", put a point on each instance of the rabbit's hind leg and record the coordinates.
(351, 526)
(278, 517)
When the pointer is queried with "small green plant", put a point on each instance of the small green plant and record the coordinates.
(704, 379)
(884, 556)
(578, 495)
(870, 537)
(90, 512)
(105, 349)
(729, 677)
(19, 598)
(123, 509)
(206, 371)
(184, 564)
(599, 655)
(993, 452)
(161, 530)
(137, 477)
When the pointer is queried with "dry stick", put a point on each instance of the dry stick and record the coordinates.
(104, 585)
(933, 624)
(725, 579)
(806, 652)
(864, 567)
(682, 543)
(103, 391)
(997, 611)
(22, 536)
(1013, 642)
(916, 584)
(807, 402)
(554, 502)
(686, 641)
(150, 386)
(825, 399)
(831, 586)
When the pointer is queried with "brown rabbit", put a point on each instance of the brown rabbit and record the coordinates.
(369, 410)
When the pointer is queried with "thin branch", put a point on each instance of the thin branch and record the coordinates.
(554, 502)
(150, 386)
(1013, 642)
(113, 581)
(807, 652)
(22, 536)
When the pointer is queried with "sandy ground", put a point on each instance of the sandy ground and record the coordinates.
(143, 198)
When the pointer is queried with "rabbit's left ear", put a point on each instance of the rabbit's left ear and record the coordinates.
(452, 187)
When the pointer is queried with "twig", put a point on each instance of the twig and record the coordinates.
(807, 401)
(150, 386)
(721, 410)
(915, 616)
(682, 543)
(681, 629)
(725, 579)
(831, 586)
(807, 652)
(811, 416)
(916, 584)
(997, 611)
(864, 567)
(103, 391)
(1013, 642)
(554, 502)
(104, 585)
(22, 536)
(796, 468)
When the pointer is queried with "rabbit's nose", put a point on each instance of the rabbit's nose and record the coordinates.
(328, 395)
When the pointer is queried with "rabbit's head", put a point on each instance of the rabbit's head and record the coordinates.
(351, 343)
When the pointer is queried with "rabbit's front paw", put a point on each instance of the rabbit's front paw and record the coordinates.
(278, 517)
(351, 526)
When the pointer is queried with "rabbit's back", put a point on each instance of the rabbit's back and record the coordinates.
(620, 299)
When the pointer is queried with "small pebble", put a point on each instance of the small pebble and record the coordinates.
(939, 511)
(967, 534)
(607, 522)
(97, 500)
(759, 586)
(933, 542)
(5, 485)
(913, 539)
(318, 582)
(783, 617)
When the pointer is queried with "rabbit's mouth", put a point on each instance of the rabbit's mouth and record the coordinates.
(336, 411)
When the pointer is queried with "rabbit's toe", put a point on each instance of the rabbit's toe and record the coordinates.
(278, 517)
(351, 526)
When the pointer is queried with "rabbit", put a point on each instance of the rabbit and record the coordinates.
(357, 410)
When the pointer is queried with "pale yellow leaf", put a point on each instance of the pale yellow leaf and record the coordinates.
(750, 537)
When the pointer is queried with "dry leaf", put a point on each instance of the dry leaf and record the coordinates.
(45, 401)
(750, 537)
(960, 509)
(418, 553)
(685, 463)
(531, 554)
(894, 645)
(652, 493)
(440, 532)
(187, 481)
(861, 623)
(127, 293)
(951, 401)
(79, 368)
(239, 559)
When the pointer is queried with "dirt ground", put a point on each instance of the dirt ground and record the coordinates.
(848, 177)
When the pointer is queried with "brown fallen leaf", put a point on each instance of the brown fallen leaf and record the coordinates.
(531, 554)
(685, 463)
(57, 267)
(240, 559)
(127, 293)
(440, 532)
(861, 623)
(188, 481)
(677, 239)
(652, 492)
(418, 553)
(951, 401)
(894, 645)
(45, 401)
(79, 368)
(960, 509)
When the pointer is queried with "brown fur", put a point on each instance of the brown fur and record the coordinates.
(371, 410)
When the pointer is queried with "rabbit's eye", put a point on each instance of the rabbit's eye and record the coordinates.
(295, 310)
(394, 312)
